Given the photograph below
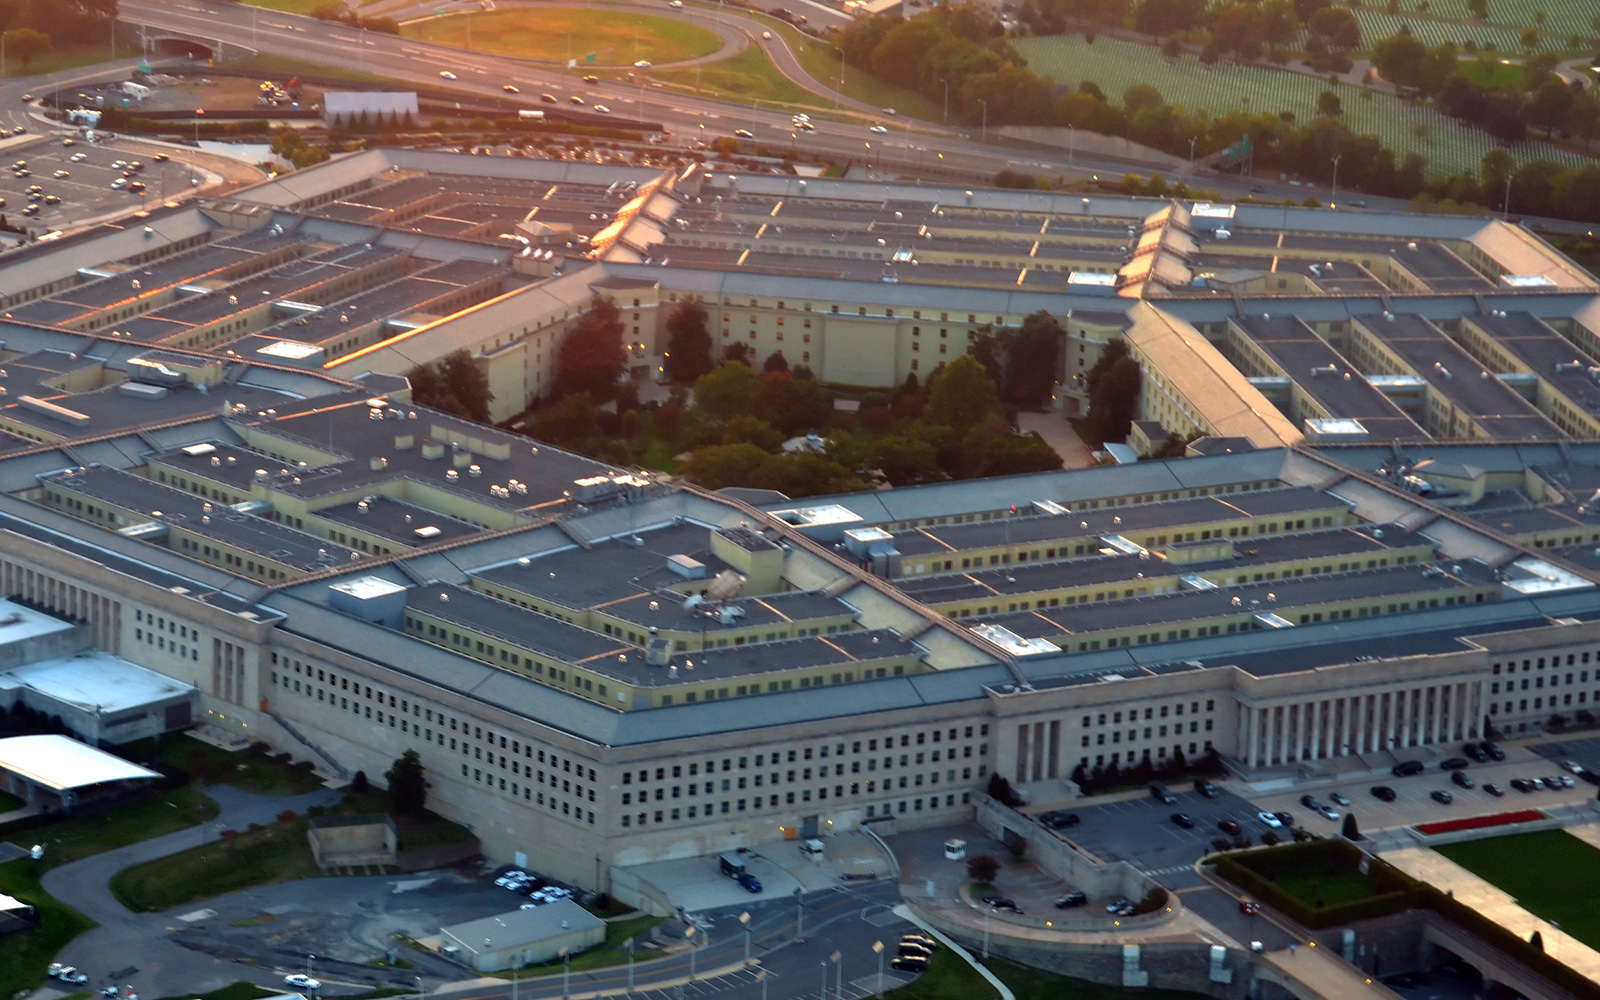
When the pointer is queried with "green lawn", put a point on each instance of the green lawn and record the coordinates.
(282, 68)
(26, 954)
(415, 833)
(1545, 872)
(239, 990)
(67, 58)
(72, 839)
(949, 978)
(242, 769)
(278, 853)
(1326, 886)
(821, 61)
(1494, 74)
(616, 38)
(746, 77)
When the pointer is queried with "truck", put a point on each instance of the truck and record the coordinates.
(137, 91)
(732, 865)
(530, 115)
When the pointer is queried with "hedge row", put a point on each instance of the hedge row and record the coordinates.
(1481, 822)
(1300, 911)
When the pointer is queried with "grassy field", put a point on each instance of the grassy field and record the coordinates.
(1493, 73)
(1523, 865)
(281, 69)
(1326, 886)
(26, 954)
(746, 77)
(558, 33)
(243, 770)
(278, 853)
(67, 58)
(1405, 128)
(72, 839)
(949, 978)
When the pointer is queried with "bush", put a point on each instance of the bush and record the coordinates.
(359, 783)
(983, 868)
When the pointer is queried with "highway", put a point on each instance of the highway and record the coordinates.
(909, 147)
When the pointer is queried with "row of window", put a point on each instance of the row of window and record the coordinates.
(887, 809)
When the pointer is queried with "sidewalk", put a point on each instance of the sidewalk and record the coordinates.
(1324, 973)
(1434, 868)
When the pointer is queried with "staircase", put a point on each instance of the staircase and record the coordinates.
(319, 757)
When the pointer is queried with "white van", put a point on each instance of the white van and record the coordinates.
(811, 846)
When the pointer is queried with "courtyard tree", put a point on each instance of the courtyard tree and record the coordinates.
(591, 357)
(688, 341)
(983, 868)
(408, 785)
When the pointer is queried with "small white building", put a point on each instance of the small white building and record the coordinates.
(58, 772)
(523, 937)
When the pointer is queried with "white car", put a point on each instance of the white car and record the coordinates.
(602, 109)
(446, 74)
(79, 157)
(302, 981)
(642, 64)
(878, 130)
(675, 4)
(119, 183)
(1328, 812)
(1270, 820)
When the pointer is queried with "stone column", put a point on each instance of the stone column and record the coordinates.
(1247, 736)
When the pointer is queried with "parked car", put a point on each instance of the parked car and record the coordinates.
(1327, 812)
(1205, 788)
(1161, 795)
(1118, 903)
(1002, 903)
(1494, 789)
(910, 963)
(1383, 792)
(1462, 779)
(1565, 779)
(922, 939)
(1059, 819)
(1494, 752)
(300, 980)
(1285, 817)
(910, 949)
(1183, 820)
(1408, 767)
(749, 881)
(1454, 764)
(1231, 827)
(1309, 801)
(1270, 819)
(1340, 798)
(1522, 785)
(1441, 796)
(1068, 900)
(1475, 752)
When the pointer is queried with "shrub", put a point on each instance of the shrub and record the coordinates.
(983, 868)
(359, 783)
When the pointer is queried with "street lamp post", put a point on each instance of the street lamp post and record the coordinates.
(877, 946)
(744, 918)
(946, 83)
(689, 934)
(566, 972)
(628, 947)
(799, 915)
(1072, 135)
(309, 960)
(824, 993)
(986, 936)
(838, 975)
(422, 991)
(1192, 140)
(1333, 189)
(516, 967)
(985, 133)
(761, 977)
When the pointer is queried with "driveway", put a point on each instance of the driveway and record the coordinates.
(135, 948)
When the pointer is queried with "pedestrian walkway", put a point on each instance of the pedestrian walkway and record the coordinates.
(1434, 868)
(1323, 973)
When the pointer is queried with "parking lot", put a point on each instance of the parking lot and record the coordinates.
(85, 191)
(1140, 830)
(1412, 803)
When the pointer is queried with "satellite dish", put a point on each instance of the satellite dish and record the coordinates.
(37, 852)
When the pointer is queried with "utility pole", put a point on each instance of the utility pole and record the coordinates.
(985, 133)
(877, 946)
(744, 918)
(1333, 191)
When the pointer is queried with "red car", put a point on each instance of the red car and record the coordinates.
(1245, 906)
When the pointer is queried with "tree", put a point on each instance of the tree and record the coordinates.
(408, 785)
(775, 362)
(983, 868)
(688, 342)
(731, 390)
(1399, 58)
(591, 356)
(27, 44)
(1114, 383)
(1271, 839)
(1328, 104)
(960, 395)
(359, 783)
(1350, 832)
(1478, 9)
(569, 420)
(1537, 940)
(456, 383)
(1001, 791)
